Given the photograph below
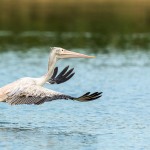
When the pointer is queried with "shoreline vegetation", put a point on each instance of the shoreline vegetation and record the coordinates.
(97, 23)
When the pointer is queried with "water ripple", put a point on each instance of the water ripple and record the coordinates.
(119, 120)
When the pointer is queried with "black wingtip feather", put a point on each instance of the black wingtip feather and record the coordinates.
(63, 72)
(55, 72)
(65, 79)
(89, 97)
(63, 76)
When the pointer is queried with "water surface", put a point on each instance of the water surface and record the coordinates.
(119, 120)
(118, 33)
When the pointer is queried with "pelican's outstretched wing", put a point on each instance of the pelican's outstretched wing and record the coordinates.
(63, 76)
(38, 95)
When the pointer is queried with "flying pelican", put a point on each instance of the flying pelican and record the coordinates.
(30, 91)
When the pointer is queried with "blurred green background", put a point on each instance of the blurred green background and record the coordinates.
(98, 24)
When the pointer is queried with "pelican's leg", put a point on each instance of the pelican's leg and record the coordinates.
(63, 76)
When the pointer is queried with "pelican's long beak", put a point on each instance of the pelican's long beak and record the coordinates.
(70, 54)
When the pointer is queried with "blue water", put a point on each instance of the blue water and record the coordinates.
(117, 121)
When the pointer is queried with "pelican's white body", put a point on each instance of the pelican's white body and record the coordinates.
(16, 87)
(30, 91)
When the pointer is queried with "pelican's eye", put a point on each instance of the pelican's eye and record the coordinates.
(61, 51)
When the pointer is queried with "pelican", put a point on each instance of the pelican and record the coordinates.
(29, 90)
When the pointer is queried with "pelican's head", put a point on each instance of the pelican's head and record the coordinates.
(60, 53)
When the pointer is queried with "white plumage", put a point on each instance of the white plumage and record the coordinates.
(30, 91)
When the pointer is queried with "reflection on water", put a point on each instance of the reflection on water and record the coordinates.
(94, 42)
(93, 16)
(72, 24)
(119, 120)
(47, 139)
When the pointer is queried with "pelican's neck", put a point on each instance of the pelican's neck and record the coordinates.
(51, 65)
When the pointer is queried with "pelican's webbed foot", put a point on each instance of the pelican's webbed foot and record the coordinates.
(63, 76)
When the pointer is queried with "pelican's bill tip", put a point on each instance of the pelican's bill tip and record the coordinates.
(92, 57)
